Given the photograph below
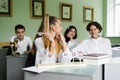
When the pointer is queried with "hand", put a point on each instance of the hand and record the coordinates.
(70, 36)
(50, 35)
(27, 52)
(61, 40)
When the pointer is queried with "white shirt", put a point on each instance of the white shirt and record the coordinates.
(72, 43)
(91, 45)
(43, 56)
(22, 45)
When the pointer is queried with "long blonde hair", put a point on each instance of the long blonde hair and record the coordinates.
(48, 21)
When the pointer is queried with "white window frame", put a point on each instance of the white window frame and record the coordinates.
(112, 29)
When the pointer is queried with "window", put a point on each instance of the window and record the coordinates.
(113, 18)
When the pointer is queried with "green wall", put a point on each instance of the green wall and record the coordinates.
(21, 15)
(115, 40)
(104, 17)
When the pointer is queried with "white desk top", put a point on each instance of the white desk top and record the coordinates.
(116, 52)
(116, 48)
(114, 60)
(80, 70)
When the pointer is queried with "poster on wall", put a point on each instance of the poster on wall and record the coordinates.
(5, 7)
(37, 8)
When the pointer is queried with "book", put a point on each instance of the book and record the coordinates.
(97, 61)
(96, 56)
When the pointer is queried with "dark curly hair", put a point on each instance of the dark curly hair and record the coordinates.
(98, 26)
(66, 32)
(19, 26)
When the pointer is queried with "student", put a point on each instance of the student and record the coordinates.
(51, 46)
(22, 43)
(71, 37)
(95, 44)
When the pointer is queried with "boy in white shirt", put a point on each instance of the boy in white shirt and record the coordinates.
(22, 43)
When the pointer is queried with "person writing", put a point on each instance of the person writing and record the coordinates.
(95, 44)
(50, 46)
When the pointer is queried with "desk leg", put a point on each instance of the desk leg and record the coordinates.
(103, 71)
